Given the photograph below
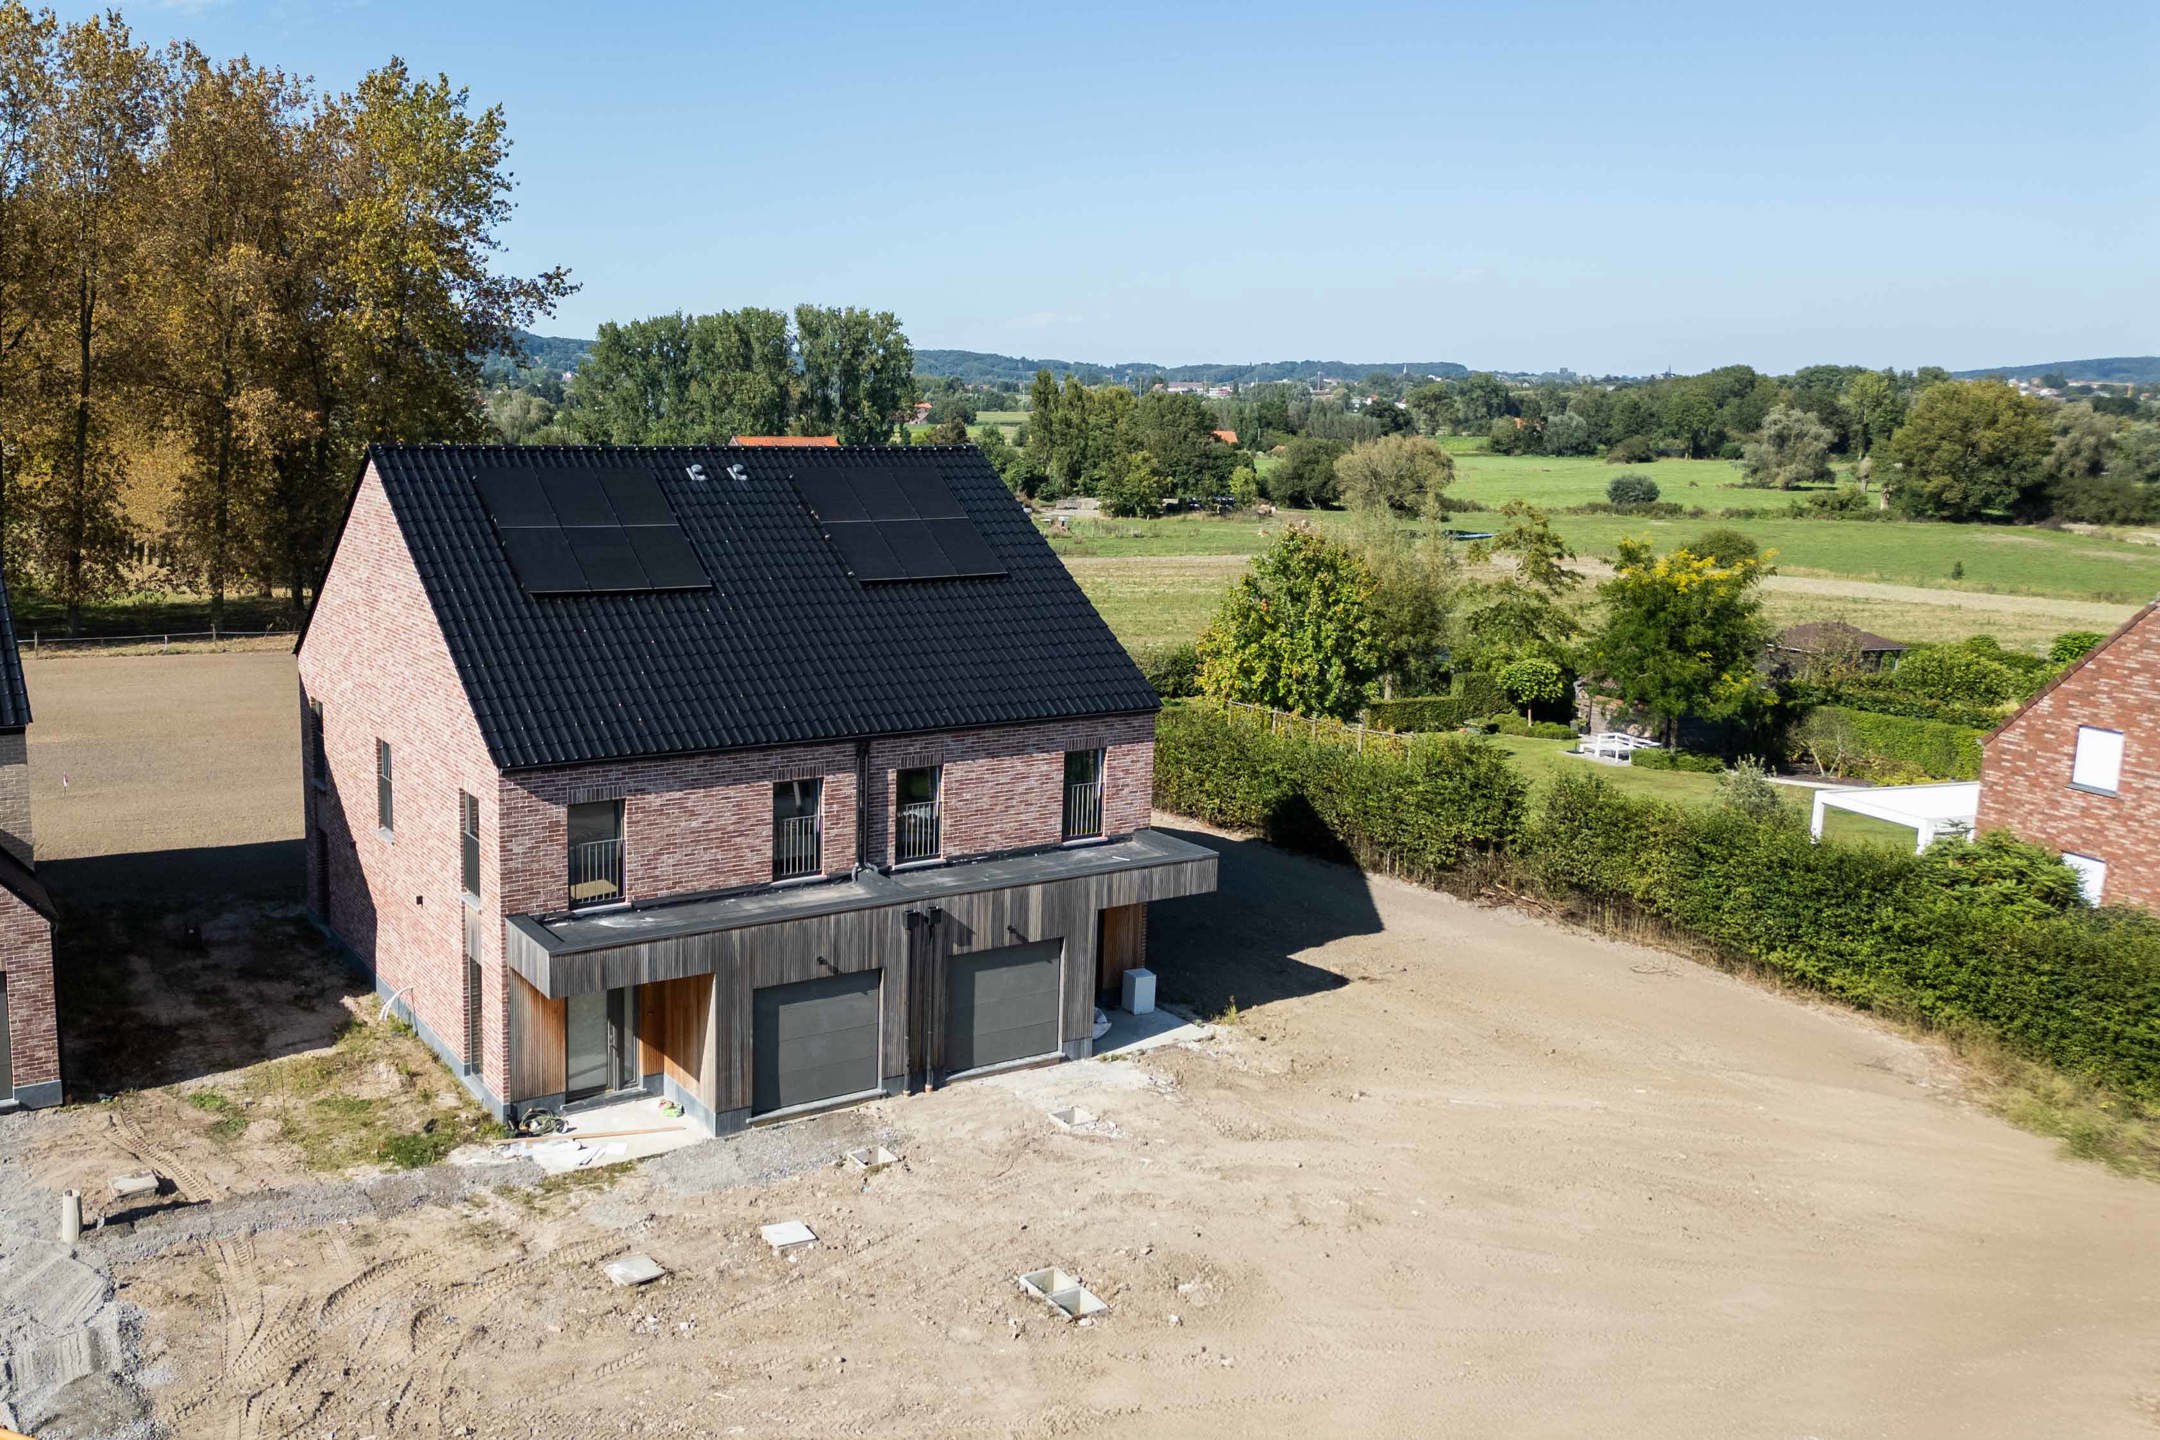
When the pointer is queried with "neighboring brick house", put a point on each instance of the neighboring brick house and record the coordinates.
(762, 778)
(29, 1025)
(2077, 768)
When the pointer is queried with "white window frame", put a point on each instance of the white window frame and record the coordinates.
(2092, 875)
(2096, 764)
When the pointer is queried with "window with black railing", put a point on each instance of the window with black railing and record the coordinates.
(915, 815)
(596, 853)
(798, 829)
(1083, 794)
(385, 798)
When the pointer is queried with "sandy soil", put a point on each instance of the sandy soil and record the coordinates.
(1450, 1171)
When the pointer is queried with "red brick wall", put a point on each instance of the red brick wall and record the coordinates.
(33, 1027)
(376, 660)
(2025, 771)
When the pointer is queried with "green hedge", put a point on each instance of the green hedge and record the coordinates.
(1481, 691)
(1509, 723)
(1890, 702)
(1937, 937)
(1418, 813)
(1421, 713)
(1938, 751)
(1675, 760)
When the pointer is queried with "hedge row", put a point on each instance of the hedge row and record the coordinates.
(1888, 702)
(1942, 937)
(1424, 712)
(1936, 750)
(1417, 812)
(1675, 760)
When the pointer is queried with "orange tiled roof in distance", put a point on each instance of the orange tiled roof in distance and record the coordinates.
(787, 440)
(1228, 437)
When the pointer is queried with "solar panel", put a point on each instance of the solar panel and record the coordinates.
(542, 562)
(581, 532)
(896, 523)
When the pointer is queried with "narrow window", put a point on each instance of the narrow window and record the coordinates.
(475, 1029)
(2098, 762)
(385, 810)
(596, 853)
(318, 747)
(798, 828)
(915, 814)
(1083, 794)
(469, 843)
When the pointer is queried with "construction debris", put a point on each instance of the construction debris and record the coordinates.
(1072, 1117)
(127, 1187)
(1062, 1292)
(871, 1158)
(633, 1270)
(788, 1235)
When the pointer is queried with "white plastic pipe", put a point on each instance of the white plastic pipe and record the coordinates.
(70, 1217)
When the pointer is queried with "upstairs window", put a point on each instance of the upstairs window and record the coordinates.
(1083, 794)
(469, 843)
(2098, 764)
(798, 829)
(915, 815)
(385, 808)
(596, 853)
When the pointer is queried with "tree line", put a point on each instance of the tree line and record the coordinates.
(217, 286)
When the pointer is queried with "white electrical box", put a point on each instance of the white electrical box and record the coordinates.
(1139, 995)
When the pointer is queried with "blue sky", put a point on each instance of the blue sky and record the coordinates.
(1604, 185)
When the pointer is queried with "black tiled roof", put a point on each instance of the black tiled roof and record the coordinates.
(785, 647)
(14, 696)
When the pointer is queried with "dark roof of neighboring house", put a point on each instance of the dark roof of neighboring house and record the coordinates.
(2082, 661)
(14, 695)
(785, 647)
(1829, 637)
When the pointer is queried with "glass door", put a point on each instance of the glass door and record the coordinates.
(600, 1036)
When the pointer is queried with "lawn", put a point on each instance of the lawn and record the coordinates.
(1555, 481)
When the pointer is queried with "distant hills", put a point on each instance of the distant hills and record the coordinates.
(2119, 369)
(557, 354)
(980, 367)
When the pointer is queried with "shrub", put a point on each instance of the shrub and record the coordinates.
(1634, 450)
(1955, 674)
(1843, 503)
(1417, 813)
(1532, 680)
(2073, 645)
(1507, 722)
(1478, 690)
(1726, 546)
(1175, 673)
(1865, 745)
(1631, 488)
(1421, 713)
(1676, 760)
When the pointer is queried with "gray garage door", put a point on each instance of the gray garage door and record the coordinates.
(1003, 1005)
(813, 1041)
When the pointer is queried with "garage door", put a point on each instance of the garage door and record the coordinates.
(816, 1040)
(1002, 1005)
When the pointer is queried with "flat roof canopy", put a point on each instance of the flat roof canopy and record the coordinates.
(565, 954)
(1928, 809)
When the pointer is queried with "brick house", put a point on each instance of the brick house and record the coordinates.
(2077, 768)
(762, 778)
(29, 1026)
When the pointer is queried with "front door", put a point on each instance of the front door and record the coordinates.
(600, 1033)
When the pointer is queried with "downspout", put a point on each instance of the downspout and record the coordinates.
(862, 806)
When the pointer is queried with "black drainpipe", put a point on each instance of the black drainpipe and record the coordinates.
(862, 805)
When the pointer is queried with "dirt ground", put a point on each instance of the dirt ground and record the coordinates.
(1448, 1170)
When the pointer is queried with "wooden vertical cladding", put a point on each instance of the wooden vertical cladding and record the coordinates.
(538, 1059)
(672, 1020)
(1124, 944)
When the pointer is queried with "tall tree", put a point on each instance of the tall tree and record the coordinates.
(1793, 449)
(858, 374)
(1871, 407)
(1682, 634)
(1969, 448)
(27, 94)
(1296, 631)
(93, 143)
(1522, 610)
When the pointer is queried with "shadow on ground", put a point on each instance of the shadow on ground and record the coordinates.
(1242, 942)
(173, 965)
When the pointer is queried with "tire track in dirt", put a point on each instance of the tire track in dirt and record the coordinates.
(186, 1178)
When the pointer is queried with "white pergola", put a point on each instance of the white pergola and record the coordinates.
(1931, 810)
